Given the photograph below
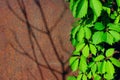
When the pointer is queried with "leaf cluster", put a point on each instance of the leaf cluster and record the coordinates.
(97, 24)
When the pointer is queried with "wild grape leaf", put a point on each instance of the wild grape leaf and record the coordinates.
(82, 9)
(85, 51)
(99, 26)
(97, 37)
(99, 57)
(71, 78)
(109, 52)
(96, 6)
(88, 33)
(115, 35)
(115, 61)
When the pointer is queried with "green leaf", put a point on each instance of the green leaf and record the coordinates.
(94, 68)
(72, 3)
(82, 9)
(83, 64)
(79, 77)
(76, 52)
(99, 58)
(74, 10)
(79, 46)
(74, 42)
(116, 35)
(107, 9)
(89, 75)
(109, 52)
(108, 76)
(99, 26)
(73, 61)
(99, 65)
(103, 67)
(97, 37)
(118, 3)
(84, 77)
(91, 64)
(110, 68)
(85, 51)
(97, 77)
(93, 49)
(71, 78)
(109, 38)
(96, 6)
(74, 31)
(115, 62)
(80, 34)
(88, 33)
(114, 27)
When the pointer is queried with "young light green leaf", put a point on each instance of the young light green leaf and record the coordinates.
(85, 51)
(118, 3)
(115, 62)
(79, 46)
(97, 37)
(73, 61)
(103, 67)
(96, 6)
(97, 77)
(79, 77)
(109, 38)
(99, 26)
(108, 76)
(93, 49)
(74, 10)
(99, 66)
(76, 52)
(80, 34)
(109, 52)
(110, 68)
(82, 9)
(114, 27)
(94, 68)
(84, 77)
(99, 57)
(88, 33)
(74, 31)
(89, 75)
(71, 78)
(116, 35)
(74, 66)
(83, 64)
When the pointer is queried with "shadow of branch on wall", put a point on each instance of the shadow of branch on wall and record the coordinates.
(34, 41)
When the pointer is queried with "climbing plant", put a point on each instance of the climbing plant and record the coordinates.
(95, 30)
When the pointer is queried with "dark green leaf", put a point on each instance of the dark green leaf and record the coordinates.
(99, 26)
(118, 3)
(74, 31)
(74, 42)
